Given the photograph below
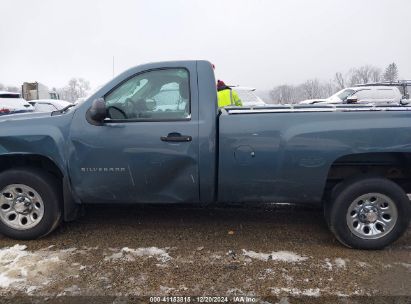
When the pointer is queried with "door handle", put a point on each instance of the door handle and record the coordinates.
(176, 137)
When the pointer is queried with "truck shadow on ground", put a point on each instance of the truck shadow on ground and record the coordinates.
(262, 227)
(190, 225)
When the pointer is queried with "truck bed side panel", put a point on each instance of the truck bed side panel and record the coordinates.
(286, 156)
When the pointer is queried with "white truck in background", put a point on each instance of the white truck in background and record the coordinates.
(373, 93)
(36, 90)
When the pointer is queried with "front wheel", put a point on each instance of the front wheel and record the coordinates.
(369, 214)
(29, 203)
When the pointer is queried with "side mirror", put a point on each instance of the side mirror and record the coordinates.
(98, 110)
(352, 99)
(404, 101)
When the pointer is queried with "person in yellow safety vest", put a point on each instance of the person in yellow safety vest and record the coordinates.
(227, 96)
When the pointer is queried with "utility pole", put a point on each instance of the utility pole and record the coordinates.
(113, 66)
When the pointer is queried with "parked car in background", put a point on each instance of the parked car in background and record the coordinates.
(11, 103)
(48, 105)
(248, 97)
(382, 94)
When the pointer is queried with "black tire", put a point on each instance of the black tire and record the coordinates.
(47, 187)
(350, 191)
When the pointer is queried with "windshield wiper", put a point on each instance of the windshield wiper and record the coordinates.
(61, 111)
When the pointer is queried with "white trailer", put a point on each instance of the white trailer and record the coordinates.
(36, 90)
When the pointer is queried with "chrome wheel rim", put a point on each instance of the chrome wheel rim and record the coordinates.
(21, 207)
(372, 216)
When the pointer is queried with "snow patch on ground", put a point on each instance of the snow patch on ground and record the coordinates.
(72, 291)
(28, 271)
(328, 264)
(363, 264)
(405, 265)
(311, 292)
(166, 290)
(340, 263)
(130, 254)
(282, 256)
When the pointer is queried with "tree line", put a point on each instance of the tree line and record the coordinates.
(284, 94)
(75, 89)
(314, 88)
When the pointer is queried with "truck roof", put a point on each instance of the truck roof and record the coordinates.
(385, 83)
(370, 87)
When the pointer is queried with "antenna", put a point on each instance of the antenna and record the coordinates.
(113, 66)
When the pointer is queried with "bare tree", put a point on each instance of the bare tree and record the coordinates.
(12, 89)
(9, 88)
(311, 89)
(76, 88)
(365, 74)
(314, 89)
(376, 74)
(339, 81)
(283, 94)
(328, 89)
(391, 72)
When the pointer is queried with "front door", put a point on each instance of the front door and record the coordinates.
(147, 151)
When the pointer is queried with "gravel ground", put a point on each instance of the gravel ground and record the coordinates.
(277, 253)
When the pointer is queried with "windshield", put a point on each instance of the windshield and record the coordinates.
(343, 94)
(248, 97)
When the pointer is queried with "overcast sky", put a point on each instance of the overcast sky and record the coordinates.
(252, 43)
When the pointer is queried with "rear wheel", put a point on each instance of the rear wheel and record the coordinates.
(369, 214)
(29, 203)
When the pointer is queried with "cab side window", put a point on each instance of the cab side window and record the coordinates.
(157, 95)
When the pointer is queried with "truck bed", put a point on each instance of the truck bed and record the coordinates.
(288, 156)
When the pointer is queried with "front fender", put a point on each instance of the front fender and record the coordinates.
(37, 135)
(41, 138)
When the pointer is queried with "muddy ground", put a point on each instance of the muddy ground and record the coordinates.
(277, 253)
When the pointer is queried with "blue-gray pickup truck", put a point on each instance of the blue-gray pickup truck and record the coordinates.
(154, 134)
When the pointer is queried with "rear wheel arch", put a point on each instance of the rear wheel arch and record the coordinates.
(395, 166)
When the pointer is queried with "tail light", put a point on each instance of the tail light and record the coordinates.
(4, 111)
